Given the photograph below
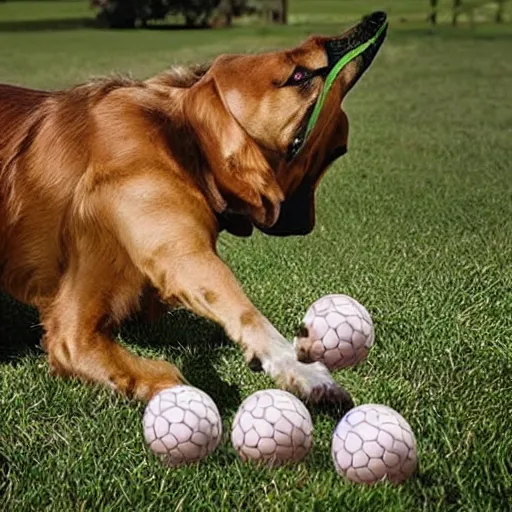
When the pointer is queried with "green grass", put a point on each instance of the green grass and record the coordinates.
(43, 10)
(415, 222)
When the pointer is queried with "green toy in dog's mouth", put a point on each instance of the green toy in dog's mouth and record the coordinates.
(372, 30)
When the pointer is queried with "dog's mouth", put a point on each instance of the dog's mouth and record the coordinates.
(360, 44)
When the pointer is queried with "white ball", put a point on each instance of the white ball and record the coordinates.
(272, 427)
(182, 425)
(340, 332)
(372, 443)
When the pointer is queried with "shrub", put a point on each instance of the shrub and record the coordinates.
(127, 13)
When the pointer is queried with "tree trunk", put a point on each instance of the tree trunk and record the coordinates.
(500, 13)
(433, 11)
(456, 11)
(190, 20)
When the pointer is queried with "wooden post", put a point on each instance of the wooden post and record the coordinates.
(433, 11)
(457, 4)
(284, 12)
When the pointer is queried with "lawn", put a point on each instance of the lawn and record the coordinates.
(415, 222)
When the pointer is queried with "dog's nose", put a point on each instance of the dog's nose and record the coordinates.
(376, 18)
(372, 23)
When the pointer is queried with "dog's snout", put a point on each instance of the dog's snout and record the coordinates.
(366, 29)
(376, 18)
(371, 24)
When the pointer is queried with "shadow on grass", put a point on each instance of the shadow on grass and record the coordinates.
(489, 32)
(174, 26)
(196, 343)
(56, 25)
(194, 339)
(47, 25)
(20, 332)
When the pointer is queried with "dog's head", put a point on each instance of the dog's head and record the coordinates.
(263, 133)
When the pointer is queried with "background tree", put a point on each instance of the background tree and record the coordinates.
(196, 13)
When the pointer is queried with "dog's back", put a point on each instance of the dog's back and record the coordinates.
(34, 186)
(20, 108)
(47, 145)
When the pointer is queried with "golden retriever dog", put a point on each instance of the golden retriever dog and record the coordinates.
(113, 194)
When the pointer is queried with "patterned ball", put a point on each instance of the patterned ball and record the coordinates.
(372, 443)
(338, 332)
(182, 425)
(272, 427)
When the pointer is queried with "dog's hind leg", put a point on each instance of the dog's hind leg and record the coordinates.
(78, 329)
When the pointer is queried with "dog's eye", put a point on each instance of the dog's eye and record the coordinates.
(299, 76)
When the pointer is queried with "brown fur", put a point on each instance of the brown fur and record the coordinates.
(113, 188)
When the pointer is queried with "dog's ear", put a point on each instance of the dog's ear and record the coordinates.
(239, 171)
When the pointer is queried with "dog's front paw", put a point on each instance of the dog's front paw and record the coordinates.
(320, 387)
(312, 382)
